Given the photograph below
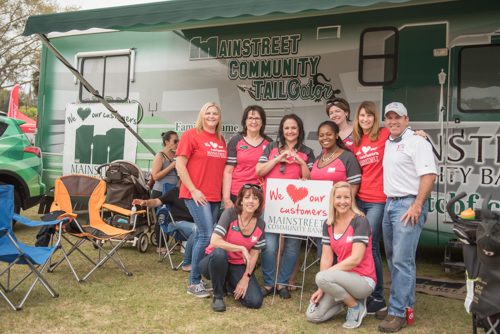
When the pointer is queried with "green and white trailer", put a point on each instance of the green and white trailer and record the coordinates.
(166, 59)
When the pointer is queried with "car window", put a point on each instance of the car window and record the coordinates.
(3, 127)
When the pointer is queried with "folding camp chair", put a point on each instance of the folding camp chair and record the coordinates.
(74, 191)
(14, 252)
(177, 236)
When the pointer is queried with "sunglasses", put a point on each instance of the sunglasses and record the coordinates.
(176, 141)
(251, 185)
(333, 102)
(282, 168)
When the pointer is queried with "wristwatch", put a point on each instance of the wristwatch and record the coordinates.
(248, 274)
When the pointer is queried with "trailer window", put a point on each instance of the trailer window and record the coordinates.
(479, 78)
(378, 56)
(109, 75)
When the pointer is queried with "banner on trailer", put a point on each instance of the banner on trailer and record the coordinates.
(297, 207)
(93, 136)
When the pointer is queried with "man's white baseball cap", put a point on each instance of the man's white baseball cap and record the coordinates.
(397, 107)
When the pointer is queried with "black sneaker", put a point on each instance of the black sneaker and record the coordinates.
(375, 305)
(218, 305)
(283, 292)
(266, 292)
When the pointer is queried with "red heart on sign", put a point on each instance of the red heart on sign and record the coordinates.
(296, 194)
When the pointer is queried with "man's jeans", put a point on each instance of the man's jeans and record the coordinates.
(205, 218)
(375, 214)
(400, 248)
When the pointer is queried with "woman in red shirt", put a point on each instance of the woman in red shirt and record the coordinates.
(347, 234)
(201, 157)
(286, 158)
(243, 153)
(339, 112)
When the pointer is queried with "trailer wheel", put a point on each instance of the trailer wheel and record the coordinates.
(153, 239)
(142, 243)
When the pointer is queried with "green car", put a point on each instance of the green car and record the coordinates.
(20, 164)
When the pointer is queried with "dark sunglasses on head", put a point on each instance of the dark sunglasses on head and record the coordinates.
(251, 185)
(333, 102)
(282, 168)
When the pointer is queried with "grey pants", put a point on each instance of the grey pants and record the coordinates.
(337, 286)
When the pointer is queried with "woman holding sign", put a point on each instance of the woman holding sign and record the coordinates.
(201, 157)
(287, 158)
(351, 280)
(243, 153)
(234, 249)
(336, 163)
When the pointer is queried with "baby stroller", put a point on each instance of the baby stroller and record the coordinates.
(124, 182)
(481, 250)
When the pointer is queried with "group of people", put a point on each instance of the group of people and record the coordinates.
(382, 178)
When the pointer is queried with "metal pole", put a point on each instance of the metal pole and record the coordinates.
(91, 89)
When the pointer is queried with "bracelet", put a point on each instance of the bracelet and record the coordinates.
(145, 204)
(248, 274)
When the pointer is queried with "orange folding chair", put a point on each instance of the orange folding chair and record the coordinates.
(73, 195)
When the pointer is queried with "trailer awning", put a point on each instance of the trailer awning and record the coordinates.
(177, 14)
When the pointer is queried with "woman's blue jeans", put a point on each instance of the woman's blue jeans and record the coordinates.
(188, 250)
(268, 259)
(205, 218)
(375, 214)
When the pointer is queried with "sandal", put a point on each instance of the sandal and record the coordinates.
(164, 251)
(266, 292)
(284, 294)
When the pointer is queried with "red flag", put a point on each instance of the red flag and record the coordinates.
(30, 125)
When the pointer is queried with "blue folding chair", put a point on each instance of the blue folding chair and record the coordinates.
(169, 227)
(14, 252)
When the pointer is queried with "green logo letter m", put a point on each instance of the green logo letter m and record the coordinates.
(204, 49)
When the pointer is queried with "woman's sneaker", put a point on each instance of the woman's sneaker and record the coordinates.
(375, 306)
(198, 291)
(355, 316)
(218, 305)
(207, 286)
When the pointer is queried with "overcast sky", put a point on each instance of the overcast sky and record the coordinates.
(90, 4)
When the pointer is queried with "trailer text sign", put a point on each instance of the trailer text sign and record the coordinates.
(297, 207)
(272, 63)
(93, 136)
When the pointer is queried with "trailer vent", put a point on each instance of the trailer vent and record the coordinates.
(328, 32)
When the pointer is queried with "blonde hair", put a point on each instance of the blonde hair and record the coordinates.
(201, 118)
(332, 212)
(357, 131)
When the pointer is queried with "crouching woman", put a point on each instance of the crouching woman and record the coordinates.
(346, 233)
(234, 249)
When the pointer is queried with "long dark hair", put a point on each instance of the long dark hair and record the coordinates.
(262, 115)
(281, 135)
(335, 129)
(165, 136)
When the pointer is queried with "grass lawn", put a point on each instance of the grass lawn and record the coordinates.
(154, 300)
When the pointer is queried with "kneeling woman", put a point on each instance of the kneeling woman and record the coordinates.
(234, 249)
(346, 233)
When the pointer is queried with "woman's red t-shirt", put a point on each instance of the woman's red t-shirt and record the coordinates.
(207, 157)
(370, 155)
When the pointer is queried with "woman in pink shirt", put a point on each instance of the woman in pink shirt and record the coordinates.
(339, 112)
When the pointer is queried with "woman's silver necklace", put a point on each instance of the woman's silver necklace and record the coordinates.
(331, 156)
(244, 226)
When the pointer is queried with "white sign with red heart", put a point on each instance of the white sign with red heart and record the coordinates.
(296, 207)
